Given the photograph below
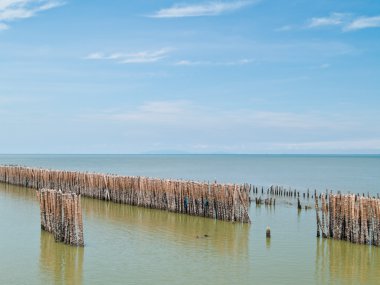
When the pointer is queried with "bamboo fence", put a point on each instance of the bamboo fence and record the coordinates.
(227, 202)
(268, 196)
(61, 215)
(349, 217)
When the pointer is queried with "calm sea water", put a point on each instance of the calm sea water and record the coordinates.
(131, 245)
(345, 173)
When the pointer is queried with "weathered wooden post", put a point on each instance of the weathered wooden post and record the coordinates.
(317, 215)
(267, 232)
(299, 207)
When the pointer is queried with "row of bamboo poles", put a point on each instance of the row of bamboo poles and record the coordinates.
(280, 191)
(268, 196)
(61, 215)
(227, 202)
(349, 217)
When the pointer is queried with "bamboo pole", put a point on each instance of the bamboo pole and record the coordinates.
(61, 215)
(352, 218)
(218, 201)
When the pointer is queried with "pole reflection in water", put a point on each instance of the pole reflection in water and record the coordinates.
(62, 264)
(223, 237)
(267, 243)
(19, 193)
(341, 262)
(144, 246)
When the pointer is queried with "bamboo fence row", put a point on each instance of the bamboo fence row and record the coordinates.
(279, 191)
(349, 217)
(227, 202)
(268, 196)
(61, 215)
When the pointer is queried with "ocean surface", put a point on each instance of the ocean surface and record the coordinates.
(339, 173)
(131, 245)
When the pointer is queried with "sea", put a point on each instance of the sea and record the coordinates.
(132, 245)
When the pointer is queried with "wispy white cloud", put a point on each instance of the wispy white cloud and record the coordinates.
(335, 19)
(191, 63)
(137, 57)
(346, 21)
(11, 100)
(336, 145)
(3, 27)
(154, 111)
(285, 28)
(204, 9)
(184, 124)
(324, 65)
(148, 113)
(321, 66)
(11, 10)
(187, 114)
(96, 55)
(216, 63)
(363, 23)
(289, 120)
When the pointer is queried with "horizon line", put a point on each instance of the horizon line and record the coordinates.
(274, 154)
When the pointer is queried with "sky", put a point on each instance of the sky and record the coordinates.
(144, 76)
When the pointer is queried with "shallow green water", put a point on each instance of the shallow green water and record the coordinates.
(131, 245)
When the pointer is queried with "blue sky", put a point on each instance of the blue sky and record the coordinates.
(268, 76)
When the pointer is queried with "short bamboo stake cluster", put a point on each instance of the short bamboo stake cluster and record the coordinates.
(279, 191)
(269, 195)
(61, 215)
(349, 217)
(266, 202)
(227, 202)
(282, 191)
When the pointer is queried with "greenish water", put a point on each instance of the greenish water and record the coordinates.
(131, 245)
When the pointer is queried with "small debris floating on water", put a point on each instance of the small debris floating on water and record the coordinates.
(204, 236)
